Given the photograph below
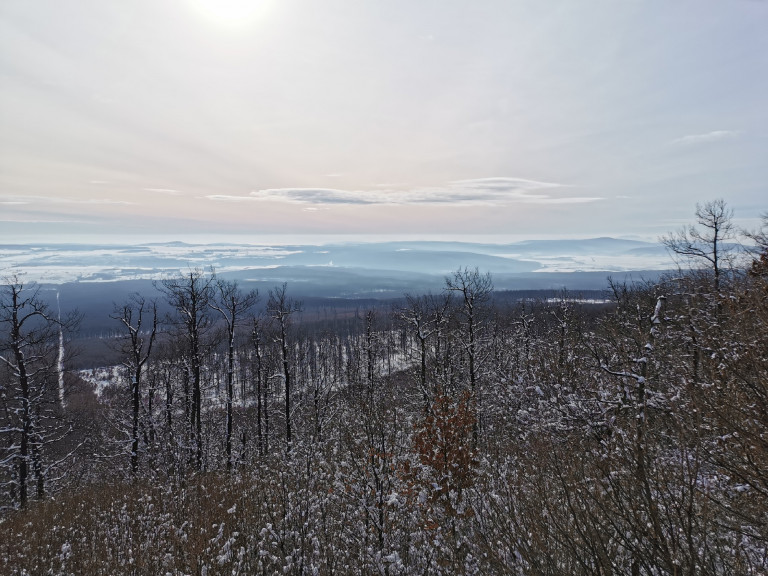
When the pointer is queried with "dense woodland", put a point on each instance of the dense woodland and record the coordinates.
(449, 434)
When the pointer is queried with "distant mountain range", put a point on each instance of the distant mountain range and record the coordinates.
(366, 268)
(93, 278)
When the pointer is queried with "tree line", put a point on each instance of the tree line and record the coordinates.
(450, 434)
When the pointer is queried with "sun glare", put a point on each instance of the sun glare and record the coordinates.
(231, 13)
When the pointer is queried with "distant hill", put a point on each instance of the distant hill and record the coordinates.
(57, 264)
(95, 277)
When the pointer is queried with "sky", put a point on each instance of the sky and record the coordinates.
(410, 118)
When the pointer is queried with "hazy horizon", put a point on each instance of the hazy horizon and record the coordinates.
(297, 239)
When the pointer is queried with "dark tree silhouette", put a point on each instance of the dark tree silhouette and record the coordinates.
(233, 306)
(137, 347)
(190, 295)
(280, 308)
(32, 404)
(709, 243)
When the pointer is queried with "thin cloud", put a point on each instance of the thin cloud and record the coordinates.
(41, 221)
(505, 190)
(323, 196)
(101, 201)
(228, 198)
(300, 196)
(168, 191)
(474, 192)
(504, 183)
(11, 199)
(705, 138)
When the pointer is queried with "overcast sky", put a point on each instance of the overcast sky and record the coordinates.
(520, 117)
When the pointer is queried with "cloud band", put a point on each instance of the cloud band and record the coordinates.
(494, 191)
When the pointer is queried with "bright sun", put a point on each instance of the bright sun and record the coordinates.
(231, 12)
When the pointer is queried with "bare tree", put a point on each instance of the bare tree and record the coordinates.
(190, 295)
(280, 308)
(474, 292)
(233, 306)
(709, 243)
(760, 238)
(257, 339)
(29, 357)
(425, 317)
(137, 347)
